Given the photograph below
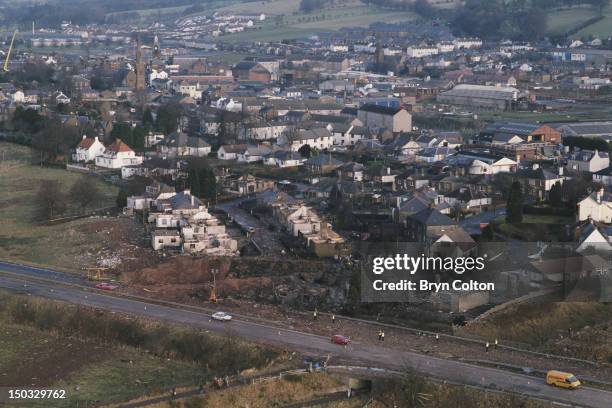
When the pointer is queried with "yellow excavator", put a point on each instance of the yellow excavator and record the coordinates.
(8, 54)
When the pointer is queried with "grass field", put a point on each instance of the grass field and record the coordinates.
(600, 29)
(267, 7)
(29, 357)
(561, 21)
(333, 19)
(21, 238)
(544, 325)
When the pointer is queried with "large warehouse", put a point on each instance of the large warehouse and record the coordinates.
(480, 96)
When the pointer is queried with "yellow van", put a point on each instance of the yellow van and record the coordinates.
(561, 379)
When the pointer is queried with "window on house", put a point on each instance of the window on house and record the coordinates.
(173, 240)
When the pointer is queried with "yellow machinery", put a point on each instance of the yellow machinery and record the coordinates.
(96, 274)
(8, 54)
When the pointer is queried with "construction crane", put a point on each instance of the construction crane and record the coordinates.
(8, 54)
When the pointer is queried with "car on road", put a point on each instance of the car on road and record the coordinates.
(561, 379)
(222, 316)
(340, 339)
(106, 286)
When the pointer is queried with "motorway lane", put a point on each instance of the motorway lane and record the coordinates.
(373, 356)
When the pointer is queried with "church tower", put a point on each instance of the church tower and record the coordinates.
(156, 48)
(140, 67)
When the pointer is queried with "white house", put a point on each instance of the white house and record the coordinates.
(88, 149)
(118, 155)
(320, 138)
(420, 52)
(347, 134)
(230, 152)
(597, 207)
(504, 165)
(588, 161)
(283, 158)
(60, 97)
(263, 131)
(253, 154)
(18, 97)
(158, 74)
(592, 237)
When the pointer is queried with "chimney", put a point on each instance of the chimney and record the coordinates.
(85, 136)
(96, 138)
(560, 170)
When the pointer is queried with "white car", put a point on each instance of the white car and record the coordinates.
(222, 316)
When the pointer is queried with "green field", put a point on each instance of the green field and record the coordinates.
(600, 29)
(100, 372)
(24, 240)
(267, 7)
(294, 26)
(561, 21)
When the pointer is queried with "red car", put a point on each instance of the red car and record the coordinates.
(340, 339)
(106, 286)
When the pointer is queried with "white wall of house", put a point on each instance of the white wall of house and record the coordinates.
(595, 208)
(118, 160)
(89, 154)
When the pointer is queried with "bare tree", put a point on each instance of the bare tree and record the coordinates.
(50, 200)
(84, 192)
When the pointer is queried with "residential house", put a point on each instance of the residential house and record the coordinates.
(283, 158)
(597, 207)
(594, 236)
(434, 154)
(319, 138)
(88, 149)
(230, 152)
(588, 161)
(322, 163)
(604, 176)
(118, 155)
(427, 225)
(251, 71)
(537, 182)
(375, 117)
(253, 154)
(348, 135)
(248, 184)
(179, 144)
(262, 131)
(180, 220)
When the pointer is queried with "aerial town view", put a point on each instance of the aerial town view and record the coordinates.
(306, 203)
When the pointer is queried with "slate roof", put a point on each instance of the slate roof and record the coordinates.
(432, 218)
(383, 110)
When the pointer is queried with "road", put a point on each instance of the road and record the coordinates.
(366, 355)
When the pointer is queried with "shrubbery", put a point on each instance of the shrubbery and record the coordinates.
(226, 354)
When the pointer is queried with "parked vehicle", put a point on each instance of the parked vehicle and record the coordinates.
(340, 339)
(562, 379)
(222, 316)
